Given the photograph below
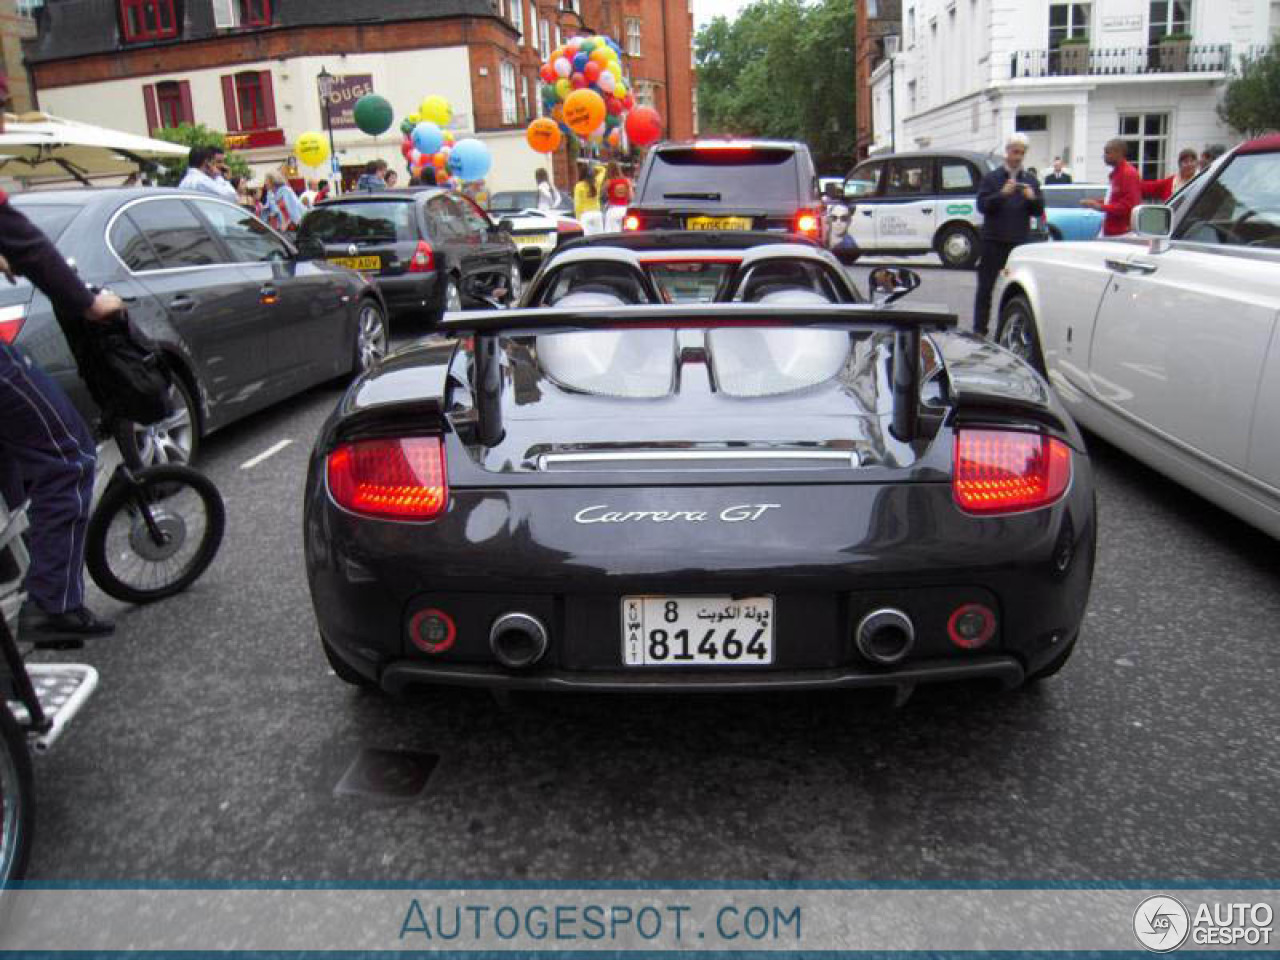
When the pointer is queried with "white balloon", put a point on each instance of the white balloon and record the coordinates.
(607, 81)
(562, 67)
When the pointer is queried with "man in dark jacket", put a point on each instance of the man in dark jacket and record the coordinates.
(46, 451)
(1008, 198)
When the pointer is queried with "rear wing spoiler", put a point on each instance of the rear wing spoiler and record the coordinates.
(907, 326)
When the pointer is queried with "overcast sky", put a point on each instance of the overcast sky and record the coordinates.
(704, 11)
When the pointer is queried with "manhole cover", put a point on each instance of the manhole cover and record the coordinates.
(398, 775)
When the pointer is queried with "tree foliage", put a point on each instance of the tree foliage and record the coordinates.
(783, 68)
(195, 135)
(1251, 103)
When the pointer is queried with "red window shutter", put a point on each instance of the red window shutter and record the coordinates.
(149, 105)
(229, 103)
(268, 97)
(184, 90)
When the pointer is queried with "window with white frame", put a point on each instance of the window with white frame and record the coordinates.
(1067, 20)
(544, 39)
(911, 26)
(531, 38)
(508, 74)
(633, 36)
(559, 36)
(524, 97)
(1168, 17)
(574, 5)
(1147, 138)
(517, 15)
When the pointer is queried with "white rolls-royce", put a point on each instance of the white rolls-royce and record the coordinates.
(1166, 344)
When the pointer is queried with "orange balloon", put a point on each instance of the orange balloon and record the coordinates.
(584, 111)
(543, 135)
(600, 55)
(439, 160)
(557, 112)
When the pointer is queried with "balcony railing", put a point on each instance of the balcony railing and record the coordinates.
(1077, 60)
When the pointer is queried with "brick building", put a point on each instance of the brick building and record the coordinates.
(16, 25)
(875, 20)
(252, 67)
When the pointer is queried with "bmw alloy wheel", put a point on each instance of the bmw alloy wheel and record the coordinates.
(171, 440)
(371, 342)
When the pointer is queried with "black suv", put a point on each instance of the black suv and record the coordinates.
(728, 185)
(426, 249)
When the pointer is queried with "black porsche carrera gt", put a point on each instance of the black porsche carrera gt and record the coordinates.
(699, 497)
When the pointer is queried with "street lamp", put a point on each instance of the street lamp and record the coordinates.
(325, 82)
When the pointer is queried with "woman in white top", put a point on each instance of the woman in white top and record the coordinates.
(548, 195)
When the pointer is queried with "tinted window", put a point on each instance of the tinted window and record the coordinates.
(739, 177)
(477, 224)
(864, 180)
(956, 176)
(446, 218)
(1058, 197)
(176, 234)
(249, 239)
(909, 178)
(368, 221)
(1241, 208)
(51, 218)
(131, 246)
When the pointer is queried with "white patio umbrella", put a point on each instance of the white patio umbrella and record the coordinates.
(37, 146)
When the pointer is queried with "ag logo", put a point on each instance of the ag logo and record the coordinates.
(1161, 924)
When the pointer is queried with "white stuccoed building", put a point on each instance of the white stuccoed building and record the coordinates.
(1070, 75)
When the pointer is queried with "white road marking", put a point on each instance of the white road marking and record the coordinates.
(269, 452)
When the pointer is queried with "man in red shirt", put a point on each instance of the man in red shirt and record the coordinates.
(1125, 192)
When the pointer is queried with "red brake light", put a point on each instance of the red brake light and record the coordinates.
(1003, 471)
(395, 479)
(631, 222)
(423, 258)
(11, 321)
(807, 223)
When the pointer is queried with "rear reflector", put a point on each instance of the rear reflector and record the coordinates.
(11, 321)
(432, 631)
(394, 479)
(1003, 471)
(971, 626)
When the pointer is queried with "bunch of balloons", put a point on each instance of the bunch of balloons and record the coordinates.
(427, 144)
(583, 88)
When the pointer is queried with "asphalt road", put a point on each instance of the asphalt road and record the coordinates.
(217, 741)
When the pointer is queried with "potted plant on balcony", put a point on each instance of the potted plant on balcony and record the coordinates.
(1073, 55)
(1175, 52)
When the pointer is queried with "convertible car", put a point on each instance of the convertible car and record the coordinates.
(724, 496)
(1167, 345)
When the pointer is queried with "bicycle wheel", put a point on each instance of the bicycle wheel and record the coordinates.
(152, 538)
(17, 800)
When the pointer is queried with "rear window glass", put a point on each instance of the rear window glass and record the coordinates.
(514, 200)
(1058, 197)
(689, 282)
(604, 283)
(745, 177)
(374, 221)
(51, 218)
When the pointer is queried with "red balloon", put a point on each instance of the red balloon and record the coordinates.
(644, 126)
(591, 71)
(547, 73)
(629, 102)
(613, 104)
(577, 81)
(406, 147)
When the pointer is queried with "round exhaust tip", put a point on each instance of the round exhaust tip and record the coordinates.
(885, 636)
(518, 640)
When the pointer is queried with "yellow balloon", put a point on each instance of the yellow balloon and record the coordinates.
(415, 117)
(436, 109)
(312, 149)
(620, 90)
(563, 88)
(614, 69)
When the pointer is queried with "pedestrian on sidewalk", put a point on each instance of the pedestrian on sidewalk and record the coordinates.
(1124, 194)
(1008, 198)
(618, 192)
(1161, 190)
(586, 202)
(371, 179)
(284, 209)
(1058, 176)
(548, 195)
(205, 167)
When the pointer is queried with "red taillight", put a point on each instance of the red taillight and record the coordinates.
(630, 222)
(11, 321)
(423, 258)
(395, 479)
(808, 223)
(1003, 471)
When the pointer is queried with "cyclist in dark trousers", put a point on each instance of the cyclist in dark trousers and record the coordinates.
(46, 449)
(1008, 198)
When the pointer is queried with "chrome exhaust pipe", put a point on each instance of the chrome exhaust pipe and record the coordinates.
(518, 640)
(885, 636)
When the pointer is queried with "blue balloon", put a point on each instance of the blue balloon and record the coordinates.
(428, 138)
(470, 159)
(580, 61)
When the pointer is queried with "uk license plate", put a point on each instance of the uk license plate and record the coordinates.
(358, 263)
(697, 631)
(718, 223)
(532, 240)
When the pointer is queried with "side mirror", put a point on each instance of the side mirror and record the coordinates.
(889, 284)
(310, 249)
(1155, 223)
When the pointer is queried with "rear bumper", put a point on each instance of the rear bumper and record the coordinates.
(418, 291)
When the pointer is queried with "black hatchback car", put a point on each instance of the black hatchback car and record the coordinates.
(425, 249)
(241, 318)
(728, 185)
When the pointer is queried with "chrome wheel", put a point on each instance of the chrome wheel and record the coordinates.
(171, 440)
(1016, 335)
(371, 337)
(957, 247)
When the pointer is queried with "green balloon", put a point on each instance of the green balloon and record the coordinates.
(587, 46)
(373, 114)
(406, 127)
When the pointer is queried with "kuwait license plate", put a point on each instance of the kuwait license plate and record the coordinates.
(718, 223)
(358, 263)
(697, 631)
(532, 239)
